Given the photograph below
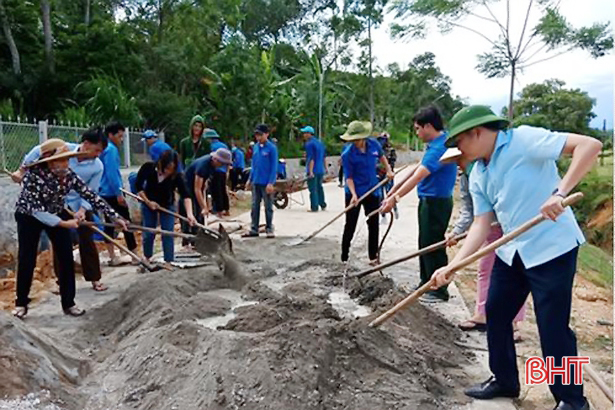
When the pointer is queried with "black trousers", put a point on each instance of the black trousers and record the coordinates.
(236, 178)
(129, 237)
(90, 262)
(186, 228)
(29, 231)
(434, 215)
(340, 175)
(219, 195)
(551, 288)
(369, 204)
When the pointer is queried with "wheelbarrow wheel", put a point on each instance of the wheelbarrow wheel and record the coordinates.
(280, 200)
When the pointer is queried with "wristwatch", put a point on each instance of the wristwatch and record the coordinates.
(557, 192)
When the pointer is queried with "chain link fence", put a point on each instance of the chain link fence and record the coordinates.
(17, 139)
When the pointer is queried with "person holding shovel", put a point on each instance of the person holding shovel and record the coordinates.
(90, 169)
(157, 183)
(219, 190)
(435, 182)
(198, 176)
(40, 207)
(315, 168)
(359, 160)
(514, 178)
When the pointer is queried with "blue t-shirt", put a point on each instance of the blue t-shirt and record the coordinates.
(361, 166)
(215, 144)
(202, 167)
(441, 180)
(111, 181)
(264, 164)
(157, 148)
(315, 151)
(239, 158)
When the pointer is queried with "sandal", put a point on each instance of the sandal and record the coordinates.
(20, 312)
(74, 311)
(470, 325)
(250, 235)
(99, 287)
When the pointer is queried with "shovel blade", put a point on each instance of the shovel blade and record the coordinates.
(210, 245)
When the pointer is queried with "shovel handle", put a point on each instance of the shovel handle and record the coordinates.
(132, 227)
(569, 200)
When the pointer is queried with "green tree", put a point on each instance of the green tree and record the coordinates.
(552, 106)
(552, 36)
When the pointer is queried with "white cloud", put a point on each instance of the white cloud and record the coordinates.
(456, 56)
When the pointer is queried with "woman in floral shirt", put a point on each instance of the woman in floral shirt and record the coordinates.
(41, 207)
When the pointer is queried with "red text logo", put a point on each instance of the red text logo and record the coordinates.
(539, 371)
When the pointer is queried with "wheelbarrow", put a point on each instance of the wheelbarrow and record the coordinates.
(285, 187)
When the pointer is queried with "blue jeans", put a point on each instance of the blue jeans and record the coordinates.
(259, 193)
(317, 194)
(150, 220)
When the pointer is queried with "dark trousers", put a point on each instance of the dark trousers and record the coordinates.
(551, 288)
(129, 237)
(219, 195)
(186, 228)
(90, 262)
(29, 231)
(236, 178)
(369, 204)
(434, 215)
(340, 175)
(317, 193)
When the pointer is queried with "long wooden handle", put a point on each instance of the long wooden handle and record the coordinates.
(349, 207)
(132, 227)
(606, 389)
(183, 218)
(121, 247)
(468, 260)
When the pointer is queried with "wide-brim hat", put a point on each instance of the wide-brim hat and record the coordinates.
(471, 117)
(62, 152)
(223, 155)
(357, 130)
(451, 155)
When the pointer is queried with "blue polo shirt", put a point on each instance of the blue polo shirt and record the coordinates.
(315, 151)
(202, 167)
(361, 166)
(239, 158)
(215, 144)
(520, 177)
(441, 180)
(264, 164)
(157, 148)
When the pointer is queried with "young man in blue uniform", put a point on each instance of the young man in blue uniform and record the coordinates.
(315, 168)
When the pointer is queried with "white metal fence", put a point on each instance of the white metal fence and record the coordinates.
(17, 138)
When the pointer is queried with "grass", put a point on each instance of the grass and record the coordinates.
(604, 167)
(596, 265)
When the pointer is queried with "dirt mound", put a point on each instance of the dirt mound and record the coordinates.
(32, 361)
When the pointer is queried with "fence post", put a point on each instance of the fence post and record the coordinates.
(2, 146)
(161, 136)
(127, 148)
(42, 131)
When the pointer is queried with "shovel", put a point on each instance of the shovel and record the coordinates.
(208, 242)
(469, 260)
(348, 208)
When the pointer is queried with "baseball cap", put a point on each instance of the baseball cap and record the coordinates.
(149, 134)
(261, 129)
(308, 129)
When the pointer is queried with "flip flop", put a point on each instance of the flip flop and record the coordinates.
(99, 287)
(20, 312)
(470, 325)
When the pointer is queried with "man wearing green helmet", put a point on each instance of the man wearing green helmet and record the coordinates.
(514, 178)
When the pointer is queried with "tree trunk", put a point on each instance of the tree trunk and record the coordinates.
(86, 20)
(46, 13)
(511, 96)
(160, 19)
(8, 34)
(371, 78)
(320, 97)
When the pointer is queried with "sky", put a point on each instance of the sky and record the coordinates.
(456, 56)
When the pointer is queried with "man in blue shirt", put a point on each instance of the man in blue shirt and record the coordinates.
(436, 182)
(90, 170)
(219, 192)
(239, 163)
(111, 185)
(315, 168)
(156, 146)
(262, 180)
(515, 178)
(360, 159)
